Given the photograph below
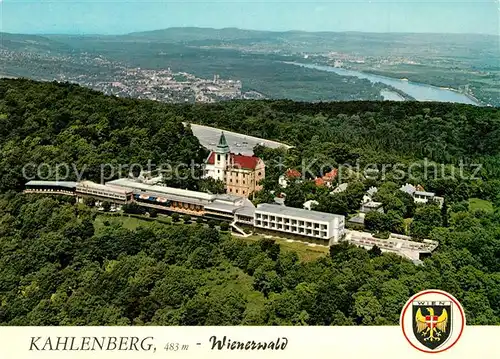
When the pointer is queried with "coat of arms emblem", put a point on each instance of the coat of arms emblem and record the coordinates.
(432, 322)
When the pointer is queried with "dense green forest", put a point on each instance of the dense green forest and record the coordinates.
(67, 124)
(58, 268)
(63, 264)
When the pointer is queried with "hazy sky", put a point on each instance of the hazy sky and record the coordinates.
(118, 17)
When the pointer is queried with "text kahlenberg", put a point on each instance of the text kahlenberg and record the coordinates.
(91, 343)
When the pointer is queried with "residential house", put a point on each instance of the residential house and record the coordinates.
(290, 174)
(421, 196)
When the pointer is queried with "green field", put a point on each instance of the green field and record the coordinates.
(475, 203)
(128, 222)
(305, 252)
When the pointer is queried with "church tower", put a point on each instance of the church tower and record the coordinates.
(222, 154)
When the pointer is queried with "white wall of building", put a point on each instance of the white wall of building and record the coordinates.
(330, 231)
(218, 169)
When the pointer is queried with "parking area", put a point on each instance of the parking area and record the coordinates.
(239, 143)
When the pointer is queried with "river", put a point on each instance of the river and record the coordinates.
(391, 96)
(419, 91)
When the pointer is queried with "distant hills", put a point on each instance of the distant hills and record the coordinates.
(195, 34)
(211, 35)
(464, 62)
(21, 42)
(182, 34)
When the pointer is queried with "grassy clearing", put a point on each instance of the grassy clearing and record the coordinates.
(133, 222)
(305, 251)
(130, 223)
(476, 203)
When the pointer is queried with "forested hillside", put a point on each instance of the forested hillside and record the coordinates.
(441, 131)
(58, 267)
(67, 124)
(66, 264)
(64, 122)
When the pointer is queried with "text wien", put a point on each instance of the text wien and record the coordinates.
(228, 344)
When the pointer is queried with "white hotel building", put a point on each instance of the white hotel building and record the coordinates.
(302, 222)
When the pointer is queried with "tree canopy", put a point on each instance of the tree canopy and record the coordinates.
(59, 266)
(62, 264)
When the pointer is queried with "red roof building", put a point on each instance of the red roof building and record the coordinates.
(292, 173)
(319, 182)
(237, 160)
(240, 173)
(331, 175)
(420, 188)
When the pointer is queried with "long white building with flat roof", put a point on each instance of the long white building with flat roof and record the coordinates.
(233, 208)
(139, 186)
(302, 222)
(275, 218)
(103, 191)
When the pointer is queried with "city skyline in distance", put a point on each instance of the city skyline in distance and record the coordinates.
(114, 17)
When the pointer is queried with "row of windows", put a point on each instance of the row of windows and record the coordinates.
(294, 222)
(160, 204)
(423, 197)
(243, 175)
(218, 213)
(190, 206)
(218, 157)
(102, 194)
(245, 219)
(50, 190)
(236, 191)
(292, 229)
(231, 181)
